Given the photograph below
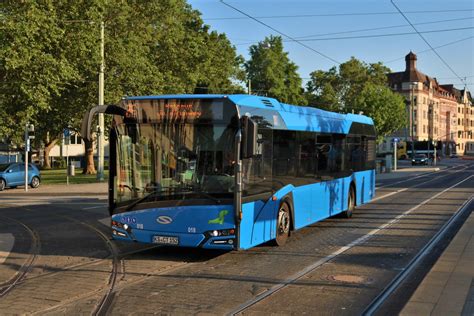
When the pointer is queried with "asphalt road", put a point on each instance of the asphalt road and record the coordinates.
(58, 259)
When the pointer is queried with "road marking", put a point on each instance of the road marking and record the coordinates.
(405, 189)
(406, 271)
(93, 207)
(295, 277)
(6, 245)
(418, 176)
(105, 221)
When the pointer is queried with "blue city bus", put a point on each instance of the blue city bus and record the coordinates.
(231, 171)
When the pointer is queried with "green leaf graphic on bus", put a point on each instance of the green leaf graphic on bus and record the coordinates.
(220, 219)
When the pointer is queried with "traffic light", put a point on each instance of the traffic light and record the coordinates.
(31, 131)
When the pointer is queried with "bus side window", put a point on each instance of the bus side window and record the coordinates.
(257, 171)
(306, 157)
(322, 150)
(284, 151)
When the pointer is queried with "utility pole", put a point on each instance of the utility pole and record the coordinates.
(412, 86)
(250, 87)
(100, 136)
(27, 149)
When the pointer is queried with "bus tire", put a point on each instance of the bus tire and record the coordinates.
(283, 224)
(350, 204)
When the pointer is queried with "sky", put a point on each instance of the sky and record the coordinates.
(442, 23)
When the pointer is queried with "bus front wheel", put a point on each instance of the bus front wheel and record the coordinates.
(350, 204)
(283, 224)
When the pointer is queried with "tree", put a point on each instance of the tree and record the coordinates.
(49, 59)
(358, 87)
(272, 73)
(385, 107)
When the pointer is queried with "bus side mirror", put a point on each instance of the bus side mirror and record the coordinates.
(249, 137)
(132, 132)
(86, 131)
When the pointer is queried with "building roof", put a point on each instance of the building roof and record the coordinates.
(412, 74)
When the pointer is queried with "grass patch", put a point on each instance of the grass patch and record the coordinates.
(58, 176)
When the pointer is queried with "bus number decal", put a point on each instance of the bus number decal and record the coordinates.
(191, 229)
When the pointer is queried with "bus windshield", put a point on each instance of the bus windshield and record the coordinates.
(166, 158)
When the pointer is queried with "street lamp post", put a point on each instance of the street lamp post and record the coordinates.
(412, 114)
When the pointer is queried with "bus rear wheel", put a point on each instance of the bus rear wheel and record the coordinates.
(350, 204)
(283, 224)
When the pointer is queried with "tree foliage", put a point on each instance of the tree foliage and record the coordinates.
(385, 107)
(272, 73)
(50, 57)
(358, 87)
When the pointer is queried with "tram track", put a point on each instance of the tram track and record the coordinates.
(118, 267)
(380, 299)
(416, 185)
(447, 169)
(22, 272)
(361, 240)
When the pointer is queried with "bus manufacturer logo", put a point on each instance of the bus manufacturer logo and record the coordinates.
(164, 220)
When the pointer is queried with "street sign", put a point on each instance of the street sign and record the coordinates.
(395, 140)
(67, 136)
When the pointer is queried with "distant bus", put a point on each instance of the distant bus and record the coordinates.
(231, 171)
(424, 147)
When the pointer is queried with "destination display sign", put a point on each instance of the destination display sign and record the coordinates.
(173, 110)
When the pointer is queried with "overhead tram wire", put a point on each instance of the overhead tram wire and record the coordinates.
(445, 78)
(336, 14)
(371, 36)
(383, 28)
(281, 33)
(427, 43)
(429, 50)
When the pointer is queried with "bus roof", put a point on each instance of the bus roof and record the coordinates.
(288, 112)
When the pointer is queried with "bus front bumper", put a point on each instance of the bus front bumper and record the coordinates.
(209, 240)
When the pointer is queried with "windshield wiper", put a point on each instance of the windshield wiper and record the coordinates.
(146, 197)
(209, 196)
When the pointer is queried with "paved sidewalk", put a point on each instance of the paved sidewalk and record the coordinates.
(448, 289)
(405, 172)
(62, 190)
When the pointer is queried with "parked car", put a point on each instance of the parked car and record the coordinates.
(13, 175)
(420, 159)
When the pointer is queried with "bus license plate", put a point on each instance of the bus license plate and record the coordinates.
(165, 240)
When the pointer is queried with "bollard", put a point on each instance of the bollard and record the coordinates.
(71, 171)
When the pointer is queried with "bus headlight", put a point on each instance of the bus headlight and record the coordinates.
(222, 232)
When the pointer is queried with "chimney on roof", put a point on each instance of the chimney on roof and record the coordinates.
(410, 61)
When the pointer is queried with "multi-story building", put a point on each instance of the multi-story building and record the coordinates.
(435, 112)
(465, 120)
